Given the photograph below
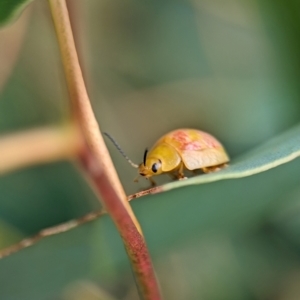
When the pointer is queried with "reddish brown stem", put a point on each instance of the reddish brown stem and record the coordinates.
(133, 240)
(97, 162)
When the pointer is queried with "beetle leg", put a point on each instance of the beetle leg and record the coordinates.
(180, 172)
(136, 179)
(173, 176)
(214, 168)
(153, 183)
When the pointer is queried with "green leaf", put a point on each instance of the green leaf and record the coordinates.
(224, 207)
(235, 207)
(273, 153)
(11, 9)
(95, 252)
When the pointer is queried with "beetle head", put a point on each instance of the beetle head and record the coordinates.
(150, 166)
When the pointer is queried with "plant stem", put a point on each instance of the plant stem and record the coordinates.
(96, 161)
(43, 145)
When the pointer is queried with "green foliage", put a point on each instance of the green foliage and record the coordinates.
(9, 10)
(153, 67)
(231, 234)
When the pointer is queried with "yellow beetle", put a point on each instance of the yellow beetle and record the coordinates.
(181, 149)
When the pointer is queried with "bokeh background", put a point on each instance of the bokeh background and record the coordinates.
(227, 67)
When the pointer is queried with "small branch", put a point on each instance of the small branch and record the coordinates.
(25, 243)
(154, 190)
(96, 161)
(36, 146)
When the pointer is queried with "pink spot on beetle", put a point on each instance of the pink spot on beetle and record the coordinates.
(210, 141)
(193, 146)
(181, 137)
(187, 141)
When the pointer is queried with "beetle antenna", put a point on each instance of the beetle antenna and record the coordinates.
(120, 150)
(145, 156)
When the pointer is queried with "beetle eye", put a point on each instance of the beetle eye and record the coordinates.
(155, 167)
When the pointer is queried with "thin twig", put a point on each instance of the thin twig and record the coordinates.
(154, 190)
(64, 227)
(27, 242)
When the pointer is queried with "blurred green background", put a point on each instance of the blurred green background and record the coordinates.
(227, 67)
